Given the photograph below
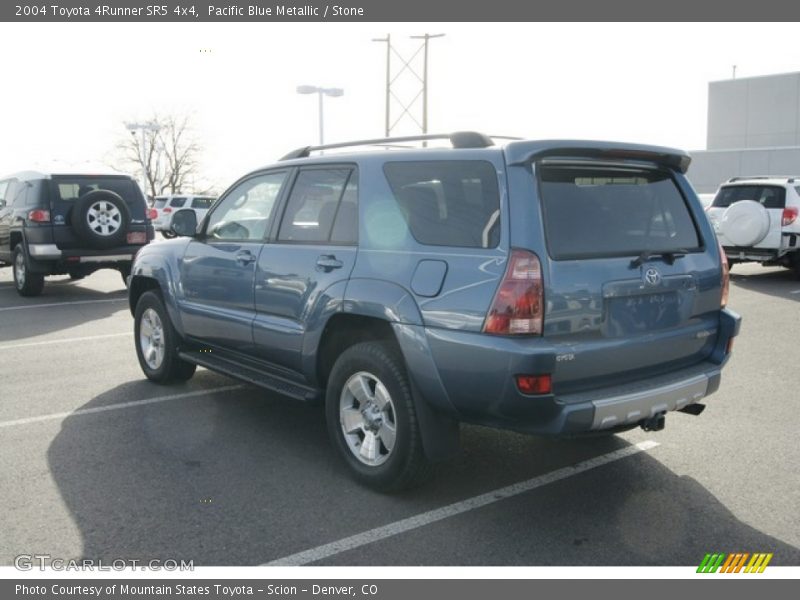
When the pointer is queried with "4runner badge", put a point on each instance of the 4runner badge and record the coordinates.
(652, 277)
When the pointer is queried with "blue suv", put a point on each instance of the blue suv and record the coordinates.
(547, 287)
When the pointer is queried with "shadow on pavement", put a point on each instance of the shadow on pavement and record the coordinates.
(243, 478)
(19, 320)
(771, 281)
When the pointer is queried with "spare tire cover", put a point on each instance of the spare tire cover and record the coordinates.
(745, 223)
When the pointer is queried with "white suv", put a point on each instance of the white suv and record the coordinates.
(758, 219)
(166, 206)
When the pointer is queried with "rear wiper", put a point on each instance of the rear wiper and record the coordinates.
(669, 256)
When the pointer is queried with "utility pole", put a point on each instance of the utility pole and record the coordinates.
(425, 37)
(388, 40)
(392, 80)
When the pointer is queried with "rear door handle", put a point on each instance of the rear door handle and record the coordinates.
(245, 257)
(328, 262)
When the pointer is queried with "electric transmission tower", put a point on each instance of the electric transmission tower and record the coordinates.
(410, 66)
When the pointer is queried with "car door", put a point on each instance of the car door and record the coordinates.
(6, 216)
(218, 268)
(313, 251)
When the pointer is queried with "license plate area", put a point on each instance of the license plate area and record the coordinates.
(642, 313)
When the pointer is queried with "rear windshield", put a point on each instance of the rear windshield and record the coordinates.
(70, 188)
(769, 196)
(595, 212)
(202, 202)
(448, 202)
(177, 202)
(160, 203)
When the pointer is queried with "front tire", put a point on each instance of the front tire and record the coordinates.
(25, 282)
(372, 420)
(157, 342)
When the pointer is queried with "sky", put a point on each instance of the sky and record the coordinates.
(68, 88)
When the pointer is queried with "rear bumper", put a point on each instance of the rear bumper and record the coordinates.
(49, 259)
(474, 382)
(790, 242)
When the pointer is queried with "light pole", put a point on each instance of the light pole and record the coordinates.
(320, 91)
(142, 128)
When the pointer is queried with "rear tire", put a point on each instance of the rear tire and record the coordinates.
(26, 283)
(372, 420)
(125, 272)
(794, 262)
(157, 342)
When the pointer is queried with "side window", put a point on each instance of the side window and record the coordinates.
(11, 192)
(313, 204)
(448, 203)
(202, 202)
(246, 211)
(345, 226)
(3, 188)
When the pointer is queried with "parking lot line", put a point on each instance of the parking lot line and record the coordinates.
(64, 340)
(457, 508)
(795, 292)
(119, 406)
(50, 305)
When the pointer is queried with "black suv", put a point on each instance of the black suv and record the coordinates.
(69, 224)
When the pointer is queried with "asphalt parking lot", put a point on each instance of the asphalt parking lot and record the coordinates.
(97, 462)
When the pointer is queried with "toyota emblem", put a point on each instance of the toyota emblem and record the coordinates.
(652, 277)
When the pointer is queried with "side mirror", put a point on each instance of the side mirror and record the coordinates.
(184, 223)
(2, 203)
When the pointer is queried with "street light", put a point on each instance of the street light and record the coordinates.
(320, 91)
(141, 128)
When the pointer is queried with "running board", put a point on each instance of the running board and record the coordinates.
(252, 375)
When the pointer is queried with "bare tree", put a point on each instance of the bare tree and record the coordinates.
(171, 154)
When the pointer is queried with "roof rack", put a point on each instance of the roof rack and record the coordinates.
(788, 178)
(459, 139)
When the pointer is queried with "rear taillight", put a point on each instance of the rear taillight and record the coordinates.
(39, 216)
(789, 216)
(726, 280)
(152, 214)
(166, 210)
(518, 308)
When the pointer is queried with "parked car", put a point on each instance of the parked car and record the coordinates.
(554, 288)
(56, 224)
(165, 207)
(756, 220)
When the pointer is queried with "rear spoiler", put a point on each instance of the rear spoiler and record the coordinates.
(519, 153)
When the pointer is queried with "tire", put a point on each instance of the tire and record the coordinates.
(794, 262)
(25, 282)
(394, 458)
(76, 276)
(168, 234)
(125, 272)
(159, 358)
(101, 219)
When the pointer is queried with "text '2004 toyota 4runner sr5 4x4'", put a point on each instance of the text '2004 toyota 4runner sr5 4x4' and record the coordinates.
(547, 287)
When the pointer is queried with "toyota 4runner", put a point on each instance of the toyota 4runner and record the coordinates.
(547, 287)
(69, 224)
